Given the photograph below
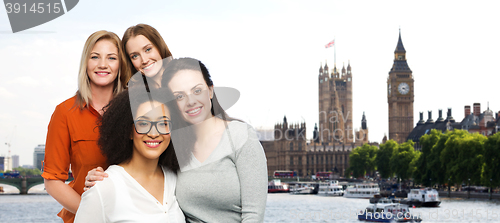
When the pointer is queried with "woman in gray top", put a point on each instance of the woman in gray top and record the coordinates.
(223, 176)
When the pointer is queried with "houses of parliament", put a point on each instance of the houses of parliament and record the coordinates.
(334, 136)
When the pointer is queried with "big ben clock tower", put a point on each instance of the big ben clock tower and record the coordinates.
(400, 96)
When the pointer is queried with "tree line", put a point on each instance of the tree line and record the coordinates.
(24, 171)
(452, 157)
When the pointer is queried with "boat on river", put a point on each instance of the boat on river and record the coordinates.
(387, 211)
(330, 188)
(303, 187)
(276, 186)
(424, 197)
(361, 190)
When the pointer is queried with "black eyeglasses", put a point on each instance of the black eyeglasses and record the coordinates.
(145, 126)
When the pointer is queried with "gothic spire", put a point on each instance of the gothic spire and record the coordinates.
(363, 121)
(400, 47)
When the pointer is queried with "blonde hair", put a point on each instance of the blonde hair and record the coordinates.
(84, 93)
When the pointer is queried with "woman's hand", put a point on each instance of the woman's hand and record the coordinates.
(96, 174)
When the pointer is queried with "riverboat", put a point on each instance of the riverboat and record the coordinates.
(361, 190)
(304, 188)
(424, 197)
(276, 186)
(330, 188)
(387, 211)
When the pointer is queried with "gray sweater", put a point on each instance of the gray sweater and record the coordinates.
(231, 184)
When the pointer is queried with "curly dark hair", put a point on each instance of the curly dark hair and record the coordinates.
(116, 126)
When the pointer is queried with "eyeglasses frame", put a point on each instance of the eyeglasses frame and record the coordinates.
(151, 126)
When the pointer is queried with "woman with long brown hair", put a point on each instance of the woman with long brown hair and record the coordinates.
(146, 51)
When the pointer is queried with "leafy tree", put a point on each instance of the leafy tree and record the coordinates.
(436, 168)
(362, 160)
(355, 163)
(424, 165)
(27, 172)
(414, 163)
(401, 159)
(463, 155)
(491, 161)
(471, 157)
(449, 153)
(383, 158)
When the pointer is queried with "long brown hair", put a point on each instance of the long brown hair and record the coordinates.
(151, 34)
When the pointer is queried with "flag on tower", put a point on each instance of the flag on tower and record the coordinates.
(330, 44)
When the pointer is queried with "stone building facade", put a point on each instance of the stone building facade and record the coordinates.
(334, 140)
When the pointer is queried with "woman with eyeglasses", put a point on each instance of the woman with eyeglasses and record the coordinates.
(72, 132)
(141, 182)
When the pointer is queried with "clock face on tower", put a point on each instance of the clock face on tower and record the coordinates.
(389, 91)
(403, 88)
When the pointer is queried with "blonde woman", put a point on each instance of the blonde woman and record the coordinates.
(73, 132)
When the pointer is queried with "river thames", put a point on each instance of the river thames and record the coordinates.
(40, 207)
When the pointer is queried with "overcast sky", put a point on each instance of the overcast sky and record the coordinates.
(271, 52)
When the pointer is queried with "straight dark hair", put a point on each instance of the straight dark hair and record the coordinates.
(184, 136)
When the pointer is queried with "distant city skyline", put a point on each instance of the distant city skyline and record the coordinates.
(271, 52)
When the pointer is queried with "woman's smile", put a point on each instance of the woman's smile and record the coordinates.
(153, 143)
(194, 111)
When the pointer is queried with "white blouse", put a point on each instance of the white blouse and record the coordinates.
(120, 198)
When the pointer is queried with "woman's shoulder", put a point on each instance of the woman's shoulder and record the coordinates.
(115, 173)
(237, 125)
(241, 132)
(105, 191)
(114, 169)
(67, 105)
